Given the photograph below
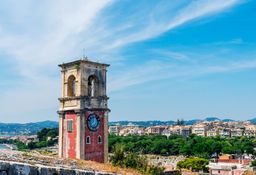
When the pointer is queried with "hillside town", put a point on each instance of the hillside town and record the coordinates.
(219, 164)
(95, 87)
(203, 128)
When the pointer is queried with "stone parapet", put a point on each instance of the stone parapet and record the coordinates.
(15, 168)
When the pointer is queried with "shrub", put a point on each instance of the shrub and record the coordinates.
(133, 160)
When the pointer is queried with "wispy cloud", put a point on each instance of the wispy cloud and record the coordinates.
(159, 70)
(198, 9)
(235, 41)
(169, 54)
(153, 26)
(39, 35)
(49, 36)
(67, 28)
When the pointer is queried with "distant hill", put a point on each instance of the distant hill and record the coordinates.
(157, 122)
(152, 123)
(228, 120)
(211, 119)
(192, 122)
(27, 128)
(253, 120)
(33, 128)
(142, 123)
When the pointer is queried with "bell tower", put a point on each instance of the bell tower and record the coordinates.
(83, 113)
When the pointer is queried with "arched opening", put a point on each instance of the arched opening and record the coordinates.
(92, 86)
(71, 85)
(99, 140)
(88, 140)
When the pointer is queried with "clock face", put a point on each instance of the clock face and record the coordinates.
(93, 122)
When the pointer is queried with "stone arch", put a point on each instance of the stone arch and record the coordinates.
(93, 86)
(71, 92)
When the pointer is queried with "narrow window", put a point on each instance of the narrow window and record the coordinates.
(70, 125)
(71, 86)
(88, 140)
(99, 140)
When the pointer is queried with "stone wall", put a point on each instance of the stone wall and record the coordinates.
(14, 168)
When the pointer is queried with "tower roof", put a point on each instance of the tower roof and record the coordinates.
(83, 60)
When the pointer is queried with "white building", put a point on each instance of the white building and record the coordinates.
(199, 129)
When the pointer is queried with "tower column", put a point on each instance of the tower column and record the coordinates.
(106, 137)
(80, 135)
(61, 116)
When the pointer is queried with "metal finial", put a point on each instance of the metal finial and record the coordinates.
(83, 52)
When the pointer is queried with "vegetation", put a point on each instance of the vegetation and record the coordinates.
(196, 146)
(180, 122)
(194, 164)
(46, 137)
(133, 160)
(253, 163)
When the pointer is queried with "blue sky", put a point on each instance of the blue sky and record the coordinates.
(169, 59)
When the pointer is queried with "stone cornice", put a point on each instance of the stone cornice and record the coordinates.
(79, 111)
(81, 98)
(78, 62)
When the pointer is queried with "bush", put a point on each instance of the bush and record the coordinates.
(118, 157)
(133, 160)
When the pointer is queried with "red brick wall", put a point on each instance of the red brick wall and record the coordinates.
(95, 151)
(70, 143)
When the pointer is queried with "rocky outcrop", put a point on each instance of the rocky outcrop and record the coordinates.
(15, 168)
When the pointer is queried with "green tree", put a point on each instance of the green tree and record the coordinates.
(118, 156)
(253, 163)
(193, 145)
(194, 164)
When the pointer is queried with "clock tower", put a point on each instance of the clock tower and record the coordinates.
(83, 113)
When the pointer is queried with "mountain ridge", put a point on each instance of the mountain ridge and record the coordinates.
(170, 122)
(34, 127)
(26, 128)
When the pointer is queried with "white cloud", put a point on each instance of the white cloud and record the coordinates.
(172, 55)
(39, 35)
(198, 9)
(153, 27)
(36, 50)
(51, 36)
(163, 70)
(235, 41)
(152, 70)
(62, 30)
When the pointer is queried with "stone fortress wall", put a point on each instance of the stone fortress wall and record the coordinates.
(15, 168)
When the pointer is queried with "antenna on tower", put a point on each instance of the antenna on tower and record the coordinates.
(83, 52)
(84, 57)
